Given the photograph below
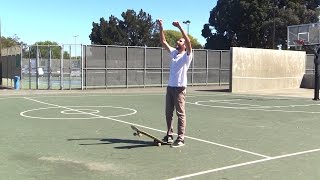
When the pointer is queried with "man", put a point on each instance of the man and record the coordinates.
(181, 58)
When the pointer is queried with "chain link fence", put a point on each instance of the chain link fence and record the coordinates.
(75, 66)
(127, 66)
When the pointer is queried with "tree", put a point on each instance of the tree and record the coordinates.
(108, 32)
(139, 28)
(255, 23)
(43, 49)
(11, 41)
(7, 42)
(172, 36)
(134, 30)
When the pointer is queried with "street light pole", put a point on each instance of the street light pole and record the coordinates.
(75, 45)
(187, 22)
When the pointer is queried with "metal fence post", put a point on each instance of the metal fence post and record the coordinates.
(29, 69)
(49, 67)
(61, 67)
(162, 67)
(220, 66)
(192, 70)
(81, 66)
(105, 65)
(85, 68)
(127, 49)
(207, 67)
(37, 68)
(70, 59)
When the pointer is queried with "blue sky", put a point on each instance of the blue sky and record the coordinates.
(61, 20)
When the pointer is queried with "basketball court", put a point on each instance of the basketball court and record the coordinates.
(87, 135)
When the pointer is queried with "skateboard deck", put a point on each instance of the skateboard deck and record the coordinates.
(138, 132)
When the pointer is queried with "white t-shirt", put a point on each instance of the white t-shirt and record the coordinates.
(179, 66)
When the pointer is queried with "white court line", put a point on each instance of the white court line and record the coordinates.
(262, 106)
(97, 94)
(79, 110)
(250, 108)
(225, 146)
(223, 100)
(242, 104)
(244, 164)
(201, 140)
(249, 96)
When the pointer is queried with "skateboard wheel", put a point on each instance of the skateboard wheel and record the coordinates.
(135, 134)
(156, 143)
(139, 134)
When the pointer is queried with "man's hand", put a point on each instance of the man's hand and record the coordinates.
(159, 21)
(185, 36)
(176, 24)
(162, 37)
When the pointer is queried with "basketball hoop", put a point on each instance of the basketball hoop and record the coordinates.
(298, 43)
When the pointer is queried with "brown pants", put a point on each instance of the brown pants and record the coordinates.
(176, 98)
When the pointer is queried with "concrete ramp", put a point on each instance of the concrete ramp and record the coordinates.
(266, 69)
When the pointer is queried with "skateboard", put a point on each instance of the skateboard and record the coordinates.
(138, 132)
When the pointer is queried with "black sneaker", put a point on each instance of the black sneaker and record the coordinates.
(168, 139)
(178, 143)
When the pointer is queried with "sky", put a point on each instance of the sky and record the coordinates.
(70, 21)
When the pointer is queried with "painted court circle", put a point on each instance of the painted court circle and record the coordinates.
(77, 110)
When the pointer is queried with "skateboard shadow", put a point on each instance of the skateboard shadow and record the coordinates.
(104, 141)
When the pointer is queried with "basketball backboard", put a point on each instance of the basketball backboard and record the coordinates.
(303, 34)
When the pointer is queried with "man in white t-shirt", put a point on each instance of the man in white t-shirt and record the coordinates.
(181, 58)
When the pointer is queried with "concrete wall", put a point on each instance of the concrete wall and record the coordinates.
(265, 69)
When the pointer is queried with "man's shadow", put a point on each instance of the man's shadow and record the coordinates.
(102, 141)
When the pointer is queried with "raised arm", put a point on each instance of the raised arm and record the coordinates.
(185, 36)
(163, 40)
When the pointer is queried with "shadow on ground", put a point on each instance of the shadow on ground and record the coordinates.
(4, 87)
(104, 141)
(213, 90)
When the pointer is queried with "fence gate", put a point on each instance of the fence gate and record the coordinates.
(51, 67)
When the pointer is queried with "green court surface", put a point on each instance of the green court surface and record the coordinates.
(87, 135)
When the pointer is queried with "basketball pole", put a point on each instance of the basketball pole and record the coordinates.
(0, 55)
(316, 74)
